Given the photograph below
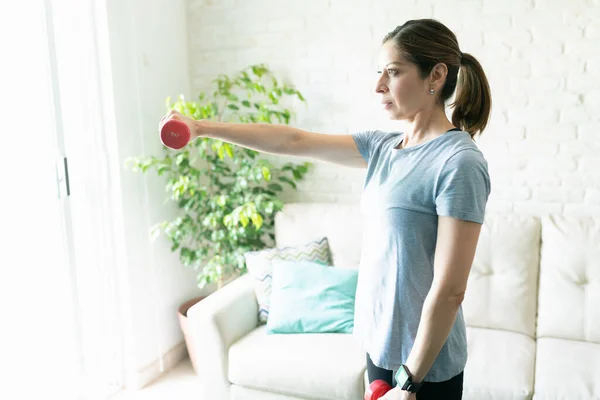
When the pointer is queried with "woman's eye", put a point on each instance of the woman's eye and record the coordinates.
(390, 72)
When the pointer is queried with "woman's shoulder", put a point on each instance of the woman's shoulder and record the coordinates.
(377, 134)
(375, 138)
(461, 146)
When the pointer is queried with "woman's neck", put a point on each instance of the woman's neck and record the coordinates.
(424, 127)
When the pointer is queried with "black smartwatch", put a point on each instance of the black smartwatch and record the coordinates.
(404, 379)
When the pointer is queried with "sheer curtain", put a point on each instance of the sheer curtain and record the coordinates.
(59, 204)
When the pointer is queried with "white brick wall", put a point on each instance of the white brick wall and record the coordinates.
(541, 58)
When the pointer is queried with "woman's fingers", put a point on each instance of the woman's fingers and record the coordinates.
(163, 120)
(172, 114)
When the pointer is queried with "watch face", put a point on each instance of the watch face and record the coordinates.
(401, 376)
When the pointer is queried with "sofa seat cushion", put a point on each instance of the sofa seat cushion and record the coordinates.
(315, 366)
(500, 365)
(567, 369)
(244, 393)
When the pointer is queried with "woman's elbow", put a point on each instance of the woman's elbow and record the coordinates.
(449, 296)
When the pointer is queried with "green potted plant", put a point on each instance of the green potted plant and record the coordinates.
(227, 195)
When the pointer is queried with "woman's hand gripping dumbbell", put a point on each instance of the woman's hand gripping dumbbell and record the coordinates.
(176, 130)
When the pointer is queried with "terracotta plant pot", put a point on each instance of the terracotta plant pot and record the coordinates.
(183, 322)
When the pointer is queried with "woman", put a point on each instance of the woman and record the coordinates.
(424, 201)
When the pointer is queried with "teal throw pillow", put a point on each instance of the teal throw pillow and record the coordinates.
(308, 297)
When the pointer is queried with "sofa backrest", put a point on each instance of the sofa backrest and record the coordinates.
(502, 287)
(502, 291)
(569, 297)
(300, 223)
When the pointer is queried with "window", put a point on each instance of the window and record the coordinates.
(60, 249)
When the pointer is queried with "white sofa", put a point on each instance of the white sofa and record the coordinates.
(532, 309)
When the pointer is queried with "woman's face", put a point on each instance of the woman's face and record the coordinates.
(403, 92)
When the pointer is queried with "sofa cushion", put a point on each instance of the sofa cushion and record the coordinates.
(500, 365)
(244, 393)
(502, 287)
(315, 366)
(311, 298)
(341, 223)
(567, 369)
(569, 298)
(260, 267)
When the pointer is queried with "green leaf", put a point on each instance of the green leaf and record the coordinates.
(303, 168)
(270, 207)
(288, 181)
(229, 150)
(245, 79)
(257, 220)
(266, 172)
(221, 200)
(181, 157)
(259, 88)
(287, 116)
(258, 70)
(233, 107)
(273, 98)
(275, 186)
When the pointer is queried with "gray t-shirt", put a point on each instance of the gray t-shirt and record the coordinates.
(404, 193)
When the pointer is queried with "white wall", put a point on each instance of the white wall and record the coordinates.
(540, 57)
(149, 62)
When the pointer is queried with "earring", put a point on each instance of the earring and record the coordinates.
(431, 91)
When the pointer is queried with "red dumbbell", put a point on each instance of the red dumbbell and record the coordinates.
(377, 389)
(175, 134)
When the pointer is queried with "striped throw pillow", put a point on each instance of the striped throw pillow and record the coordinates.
(260, 267)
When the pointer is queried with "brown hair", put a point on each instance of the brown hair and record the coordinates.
(427, 42)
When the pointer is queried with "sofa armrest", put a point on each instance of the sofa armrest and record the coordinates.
(216, 323)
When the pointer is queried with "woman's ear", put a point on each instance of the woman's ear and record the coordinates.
(437, 77)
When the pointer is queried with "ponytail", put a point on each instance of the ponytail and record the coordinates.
(473, 101)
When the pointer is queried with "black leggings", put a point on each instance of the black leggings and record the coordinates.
(447, 390)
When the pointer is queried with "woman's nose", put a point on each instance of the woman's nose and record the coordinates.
(380, 87)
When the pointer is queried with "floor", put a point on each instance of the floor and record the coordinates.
(179, 383)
